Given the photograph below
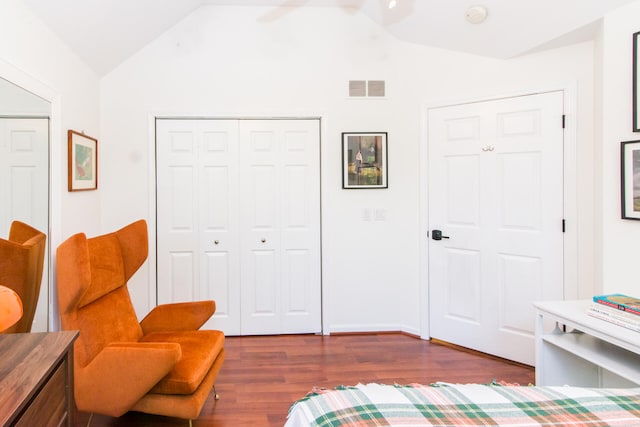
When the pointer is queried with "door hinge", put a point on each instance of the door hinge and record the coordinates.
(564, 117)
(564, 228)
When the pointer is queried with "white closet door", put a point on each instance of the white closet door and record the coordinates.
(238, 209)
(280, 217)
(197, 216)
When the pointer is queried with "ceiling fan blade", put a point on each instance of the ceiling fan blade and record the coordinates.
(278, 12)
(352, 7)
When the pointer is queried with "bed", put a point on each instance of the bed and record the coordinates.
(444, 404)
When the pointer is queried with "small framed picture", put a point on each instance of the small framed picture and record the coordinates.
(364, 160)
(82, 161)
(630, 172)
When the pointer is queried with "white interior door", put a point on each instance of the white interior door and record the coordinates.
(24, 188)
(238, 221)
(495, 193)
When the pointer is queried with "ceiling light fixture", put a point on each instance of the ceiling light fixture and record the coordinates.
(476, 14)
(392, 4)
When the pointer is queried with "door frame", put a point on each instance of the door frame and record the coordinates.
(152, 299)
(570, 203)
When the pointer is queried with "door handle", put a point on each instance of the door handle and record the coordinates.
(437, 235)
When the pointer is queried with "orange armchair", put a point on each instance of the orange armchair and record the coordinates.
(161, 365)
(21, 267)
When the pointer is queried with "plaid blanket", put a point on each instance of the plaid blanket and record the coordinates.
(466, 405)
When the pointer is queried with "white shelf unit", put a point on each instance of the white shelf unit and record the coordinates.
(573, 348)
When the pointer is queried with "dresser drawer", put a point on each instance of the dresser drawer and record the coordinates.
(49, 406)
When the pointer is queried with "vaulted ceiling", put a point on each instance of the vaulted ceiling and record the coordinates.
(106, 32)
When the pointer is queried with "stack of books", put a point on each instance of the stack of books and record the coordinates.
(621, 310)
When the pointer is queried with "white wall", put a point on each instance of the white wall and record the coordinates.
(229, 61)
(28, 48)
(34, 58)
(15, 101)
(618, 239)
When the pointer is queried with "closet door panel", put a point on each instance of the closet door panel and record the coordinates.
(197, 216)
(239, 221)
(301, 283)
(260, 223)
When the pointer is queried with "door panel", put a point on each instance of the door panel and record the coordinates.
(519, 284)
(24, 157)
(495, 188)
(282, 160)
(182, 276)
(520, 185)
(197, 216)
(261, 301)
(219, 223)
(301, 278)
(216, 287)
(463, 275)
(24, 188)
(260, 240)
(462, 178)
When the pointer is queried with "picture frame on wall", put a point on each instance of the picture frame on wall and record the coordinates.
(630, 174)
(364, 160)
(82, 161)
(636, 82)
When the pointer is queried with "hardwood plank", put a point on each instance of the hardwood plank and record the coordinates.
(262, 376)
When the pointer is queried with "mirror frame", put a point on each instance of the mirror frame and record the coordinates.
(29, 83)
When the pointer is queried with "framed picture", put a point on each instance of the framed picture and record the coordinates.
(636, 83)
(364, 160)
(82, 161)
(630, 172)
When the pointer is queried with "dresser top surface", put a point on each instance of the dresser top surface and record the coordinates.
(26, 361)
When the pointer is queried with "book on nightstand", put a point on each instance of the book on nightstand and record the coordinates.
(615, 316)
(619, 302)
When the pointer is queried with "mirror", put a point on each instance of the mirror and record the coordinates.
(24, 172)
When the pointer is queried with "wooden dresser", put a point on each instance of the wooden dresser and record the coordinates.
(36, 379)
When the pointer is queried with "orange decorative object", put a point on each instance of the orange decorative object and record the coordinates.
(10, 308)
(163, 364)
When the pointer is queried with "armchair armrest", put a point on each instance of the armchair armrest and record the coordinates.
(184, 316)
(121, 374)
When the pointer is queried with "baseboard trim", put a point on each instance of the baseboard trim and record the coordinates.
(408, 334)
(479, 353)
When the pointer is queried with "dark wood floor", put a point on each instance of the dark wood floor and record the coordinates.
(262, 376)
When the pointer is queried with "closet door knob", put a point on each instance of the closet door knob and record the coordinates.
(263, 240)
(215, 242)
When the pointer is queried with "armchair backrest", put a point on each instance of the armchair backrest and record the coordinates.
(93, 297)
(21, 268)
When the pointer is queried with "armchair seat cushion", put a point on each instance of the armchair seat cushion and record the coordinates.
(200, 349)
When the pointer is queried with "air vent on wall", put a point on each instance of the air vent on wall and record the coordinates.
(367, 88)
(375, 88)
(357, 88)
